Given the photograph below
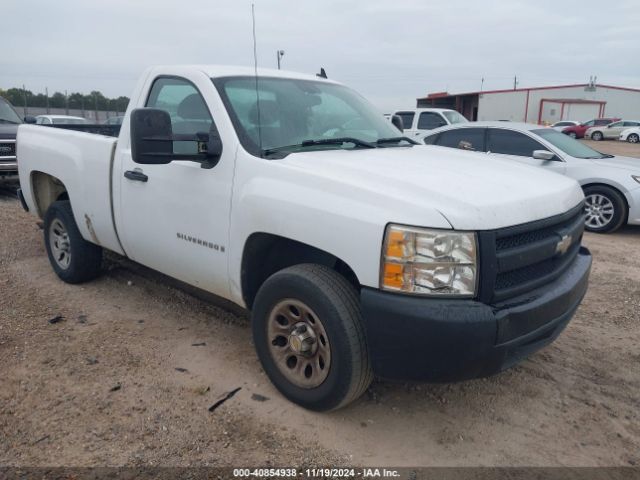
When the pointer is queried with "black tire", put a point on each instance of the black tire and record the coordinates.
(335, 302)
(620, 209)
(84, 259)
(597, 136)
(633, 138)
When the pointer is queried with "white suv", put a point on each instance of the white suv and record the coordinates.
(418, 122)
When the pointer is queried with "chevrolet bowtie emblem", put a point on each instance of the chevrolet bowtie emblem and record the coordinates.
(564, 244)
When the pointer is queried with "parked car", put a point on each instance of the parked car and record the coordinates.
(417, 122)
(611, 184)
(577, 131)
(357, 251)
(9, 121)
(60, 120)
(562, 124)
(114, 120)
(631, 135)
(611, 131)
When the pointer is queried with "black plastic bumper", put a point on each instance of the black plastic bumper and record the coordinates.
(417, 338)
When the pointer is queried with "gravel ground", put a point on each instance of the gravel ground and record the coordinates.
(129, 372)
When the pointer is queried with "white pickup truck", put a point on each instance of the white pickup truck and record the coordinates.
(357, 251)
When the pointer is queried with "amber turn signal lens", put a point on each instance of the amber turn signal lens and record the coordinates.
(393, 275)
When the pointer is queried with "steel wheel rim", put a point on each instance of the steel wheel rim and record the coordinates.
(599, 210)
(298, 343)
(60, 244)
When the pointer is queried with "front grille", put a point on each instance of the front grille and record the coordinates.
(521, 258)
(7, 149)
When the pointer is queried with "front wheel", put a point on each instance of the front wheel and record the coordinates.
(597, 136)
(606, 209)
(633, 138)
(309, 337)
(73, 258)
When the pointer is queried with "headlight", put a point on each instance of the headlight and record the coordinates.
(636, 178)
(429, 262)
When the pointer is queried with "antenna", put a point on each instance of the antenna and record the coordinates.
(255, 69)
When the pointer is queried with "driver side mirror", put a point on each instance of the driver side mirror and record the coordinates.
(397, 122)
(152, 141)
(544, 155)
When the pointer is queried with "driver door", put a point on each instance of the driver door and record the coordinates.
(174, 218)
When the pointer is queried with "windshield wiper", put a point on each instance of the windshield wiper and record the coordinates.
(382, 141)
(323, 141)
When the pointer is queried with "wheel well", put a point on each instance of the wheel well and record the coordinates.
(46, 190)
(265, 254)
(617, 190)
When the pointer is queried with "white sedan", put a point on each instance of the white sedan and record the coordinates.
(60, 120)
(611, 184)
(631, 135)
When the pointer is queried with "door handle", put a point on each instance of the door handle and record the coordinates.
(136, 175)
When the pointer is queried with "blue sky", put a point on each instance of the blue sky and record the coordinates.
(391, 51)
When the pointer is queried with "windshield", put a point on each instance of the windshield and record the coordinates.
(7, 113)
(568, 145)
(296, 115)
(454, 117)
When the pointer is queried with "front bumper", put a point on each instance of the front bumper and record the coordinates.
(633, 200)
(412, 338)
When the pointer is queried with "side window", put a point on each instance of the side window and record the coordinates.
(509, 142)
(430, 120)
(590, 123)
(431, 139)
(599, 123)
(186, 107)
(631, 124)
(617, 124)
(407, 119)
(463, 138)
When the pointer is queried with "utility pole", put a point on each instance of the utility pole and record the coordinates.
(515, 82)
(481, 84)
(66, 102)
(24, 95)
(279, 55)
(46, 96)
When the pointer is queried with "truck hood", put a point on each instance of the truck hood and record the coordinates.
(8, 131)
(472, 191)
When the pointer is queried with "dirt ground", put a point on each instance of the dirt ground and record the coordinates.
(129, 373)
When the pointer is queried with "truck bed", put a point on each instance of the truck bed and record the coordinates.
(106, 130)
(83, 162)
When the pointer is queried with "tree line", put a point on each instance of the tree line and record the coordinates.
(80, 101)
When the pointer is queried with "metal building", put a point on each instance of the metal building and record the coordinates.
(580, 102)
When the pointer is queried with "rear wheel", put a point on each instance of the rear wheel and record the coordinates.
(309, 337)
(597, 136)
(73, 258)
(606, 209)
(633, 138)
